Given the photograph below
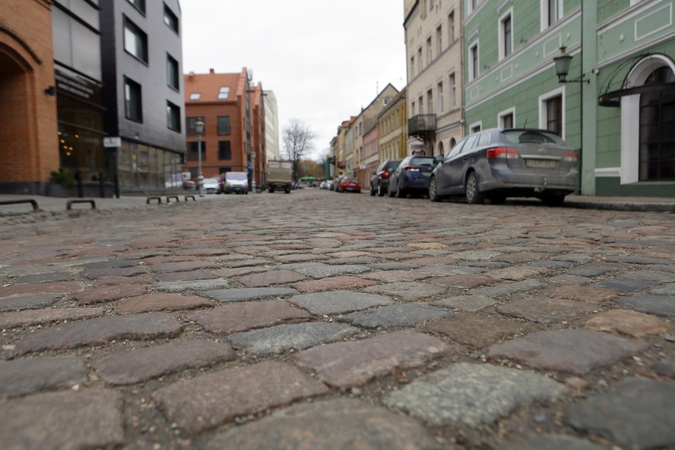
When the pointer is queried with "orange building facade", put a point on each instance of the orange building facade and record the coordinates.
(234, 117)
(29, 148)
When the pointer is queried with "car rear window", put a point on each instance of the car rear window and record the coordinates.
(419, 162)
(531, 137)
(350, 179)
(392, 165)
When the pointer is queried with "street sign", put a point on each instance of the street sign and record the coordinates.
(112, 142)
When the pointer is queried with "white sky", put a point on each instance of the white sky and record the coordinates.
(323, 59)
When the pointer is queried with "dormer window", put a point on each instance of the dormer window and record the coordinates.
(224, 93)
(195, 96)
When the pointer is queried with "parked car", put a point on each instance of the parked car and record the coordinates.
(350, 184)
(330, 185)
(380, 181)
(189, 184)
(236, 182)
(411, 176)
(496, 164)
(338, 183)
(211, 186)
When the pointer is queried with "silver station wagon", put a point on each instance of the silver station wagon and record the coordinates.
(496, 164)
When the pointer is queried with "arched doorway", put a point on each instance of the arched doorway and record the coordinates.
(441, 150)
(648, 121)
(15, 136)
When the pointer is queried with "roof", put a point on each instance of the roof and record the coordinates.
(210, 84)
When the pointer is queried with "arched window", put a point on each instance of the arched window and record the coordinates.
(441, 151)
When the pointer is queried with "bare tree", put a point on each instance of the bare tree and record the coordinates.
(298, 141)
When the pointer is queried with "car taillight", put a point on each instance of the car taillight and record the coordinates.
(385, 174)
(571, 157)
(501, 152)
(411, 169)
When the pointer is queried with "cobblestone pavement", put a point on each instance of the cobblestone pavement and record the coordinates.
(322, 320)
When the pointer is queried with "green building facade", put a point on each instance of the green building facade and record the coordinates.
(618, 104)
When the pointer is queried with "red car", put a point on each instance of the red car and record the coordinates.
(349, 184)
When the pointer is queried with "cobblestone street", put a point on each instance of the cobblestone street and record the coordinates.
(319, 320)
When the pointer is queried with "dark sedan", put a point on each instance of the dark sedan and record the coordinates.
(496, 164)
(411, 176)
(380, 181)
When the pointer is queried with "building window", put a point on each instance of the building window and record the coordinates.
(191, 123)
(451, 27)
(554, 115)
(430, 101)
(172, 72)
(224, 150)
(412, 67)
(195, 96)
(173, 116)
(139, 5)
(224, 126)
(412, 108)
(430, 53)
(135, 41)
(421, 103)
(505, 36)
(551, 12)
(506, 119)
(193, 154)
(473, 62)
(453, 91)
(133, 104)
(475, 127)
(439, 39)
(419, 60)
(224, 93)
(170, 19)
(440, 98)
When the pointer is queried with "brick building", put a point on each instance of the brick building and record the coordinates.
(28, 135)
(234, 117)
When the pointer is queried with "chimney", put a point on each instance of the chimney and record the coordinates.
(211, 71)
(191, 75)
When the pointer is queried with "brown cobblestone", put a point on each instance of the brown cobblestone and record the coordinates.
(238, 317)
(161, 302)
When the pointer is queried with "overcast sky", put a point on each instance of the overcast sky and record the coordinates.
(323, 59)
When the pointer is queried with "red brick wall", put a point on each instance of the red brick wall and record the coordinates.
(28, 135)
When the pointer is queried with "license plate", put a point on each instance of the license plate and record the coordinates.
(542, 163)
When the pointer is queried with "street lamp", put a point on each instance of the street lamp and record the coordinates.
(199, 128)
(562, 68)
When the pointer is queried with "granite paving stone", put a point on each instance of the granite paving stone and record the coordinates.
(333, 283)
(265, 279)
(133, 366)
(45, 316)
(22, 302)
(338, 302)
(471, 303)
(95, 274)
(332, 424)
(397, 315)
(109, 293)
(554, 442)
(508, 288)
(347, 364)
(114, 264)
(185, 276)
(631, 323)
(84, 419)
(239, 271)
(518, 258)
(638, 414)
(161, 302)
(59, 287)
(208, 401)
(30, 375)
(247, 294)
(408, 291)
(100, 331)
(281, 338)
(593, 271)
(369, 260)
(248, 263)
(469, 281)
(626, 285)
(392, 276)
(476, 255)
(320, 270)
(567, 280)
(195, 285)
(578, 258)
(584, 293)
(472, 394)
(44, 278)
(476, 331)
(183, 266)
(448, 270)
(637, 260)
(516, 273)
(114, 281)
(665, 290)
(650, 275)
(202, 252)
(238, 317)
(665, 368)
(300, 258)
(572, 351)
(660, 305)
(546, 310)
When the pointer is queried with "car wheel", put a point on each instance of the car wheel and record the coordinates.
(372, 191)
(433, 191)
(390, 189)
(473, 195)
(271, 191)
(553, 200)
(380, 191)
(400, 192)
(497, 199)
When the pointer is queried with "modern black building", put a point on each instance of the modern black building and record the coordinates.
(141, 56)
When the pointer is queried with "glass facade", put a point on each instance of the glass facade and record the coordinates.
(145, 167)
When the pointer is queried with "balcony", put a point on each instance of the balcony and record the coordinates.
(422, 126)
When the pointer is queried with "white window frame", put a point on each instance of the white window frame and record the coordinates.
(506, 112)
(478, 124)
(542, 108)
(474, 47)
(441, 99)
(544, 13)
(452, 79)
(509, 14)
